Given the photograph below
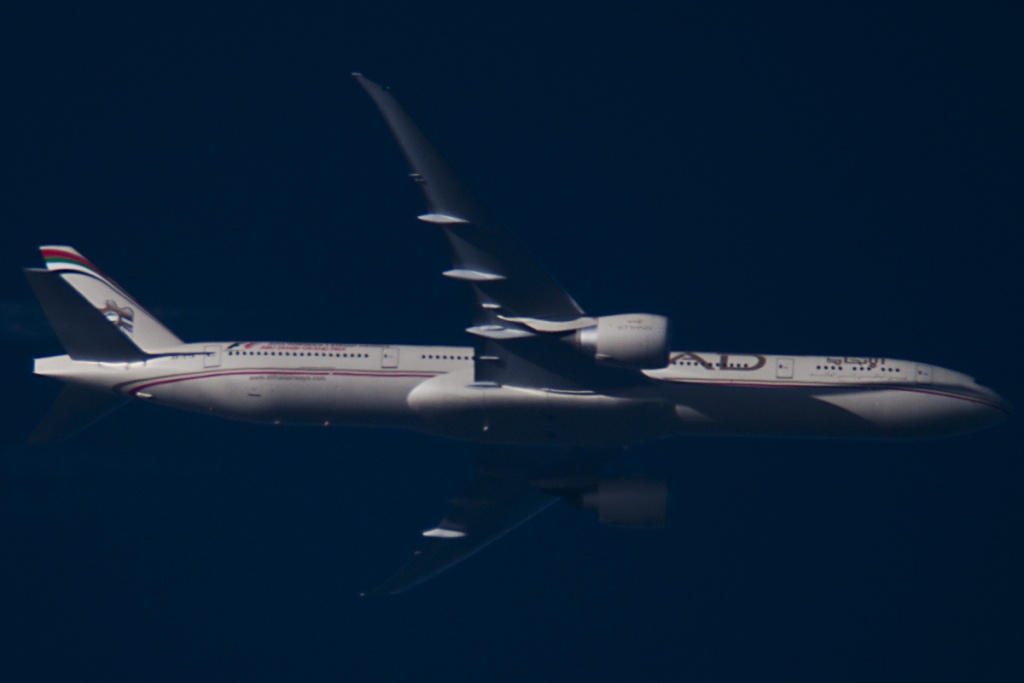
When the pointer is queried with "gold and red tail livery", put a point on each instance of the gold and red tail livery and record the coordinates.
(71, 285)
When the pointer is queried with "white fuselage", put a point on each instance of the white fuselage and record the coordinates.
(431, 389)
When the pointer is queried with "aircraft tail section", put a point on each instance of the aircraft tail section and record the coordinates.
(93, 316)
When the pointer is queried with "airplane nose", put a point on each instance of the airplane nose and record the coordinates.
(997, 408)
(1002, 405)
(976, 403)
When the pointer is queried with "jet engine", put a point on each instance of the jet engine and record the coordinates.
(637, 503)
(638, 341)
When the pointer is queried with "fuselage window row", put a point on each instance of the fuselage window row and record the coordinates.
(290, 353)
(691, 363)
(855, 368)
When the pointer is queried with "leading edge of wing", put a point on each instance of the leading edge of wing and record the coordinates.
(510, 487)
(506, 279)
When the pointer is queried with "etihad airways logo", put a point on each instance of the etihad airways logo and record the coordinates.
(122, 317)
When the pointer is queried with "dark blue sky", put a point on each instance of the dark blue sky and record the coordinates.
(800, 179)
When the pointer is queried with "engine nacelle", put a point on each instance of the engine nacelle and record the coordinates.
(638, 503)
(637, 341)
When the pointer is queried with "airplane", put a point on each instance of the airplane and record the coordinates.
(549, 392)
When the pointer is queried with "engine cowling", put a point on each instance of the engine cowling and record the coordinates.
(637, 341)
(637, 503)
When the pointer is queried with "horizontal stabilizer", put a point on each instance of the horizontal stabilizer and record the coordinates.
(75, 409)
(83, 330)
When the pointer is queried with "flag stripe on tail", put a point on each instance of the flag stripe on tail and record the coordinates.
(61, 256)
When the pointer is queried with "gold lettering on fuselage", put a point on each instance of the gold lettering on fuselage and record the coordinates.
(870, 363)
(739, 361)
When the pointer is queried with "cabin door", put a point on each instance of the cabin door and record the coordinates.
(924, 374)
(212, 358)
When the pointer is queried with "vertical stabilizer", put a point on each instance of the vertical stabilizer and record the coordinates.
(122, 312)
(86, 333)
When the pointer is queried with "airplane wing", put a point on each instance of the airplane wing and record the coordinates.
(520, 310)
(502, 273)
(520, 320)
(510, 487)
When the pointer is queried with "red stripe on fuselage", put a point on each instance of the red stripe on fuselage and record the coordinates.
(321, 373)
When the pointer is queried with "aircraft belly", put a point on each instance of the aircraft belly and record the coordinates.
(456, 407)
(879, 412)
(914, 412)
(723, 409)
(289, 397)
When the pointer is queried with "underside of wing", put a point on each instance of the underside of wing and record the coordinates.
(510, 486)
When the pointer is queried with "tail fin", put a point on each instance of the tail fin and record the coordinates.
(85, 332)
(93, 316)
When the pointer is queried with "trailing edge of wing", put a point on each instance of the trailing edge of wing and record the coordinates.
(469, 528)
(511, 486)
(505, 277)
